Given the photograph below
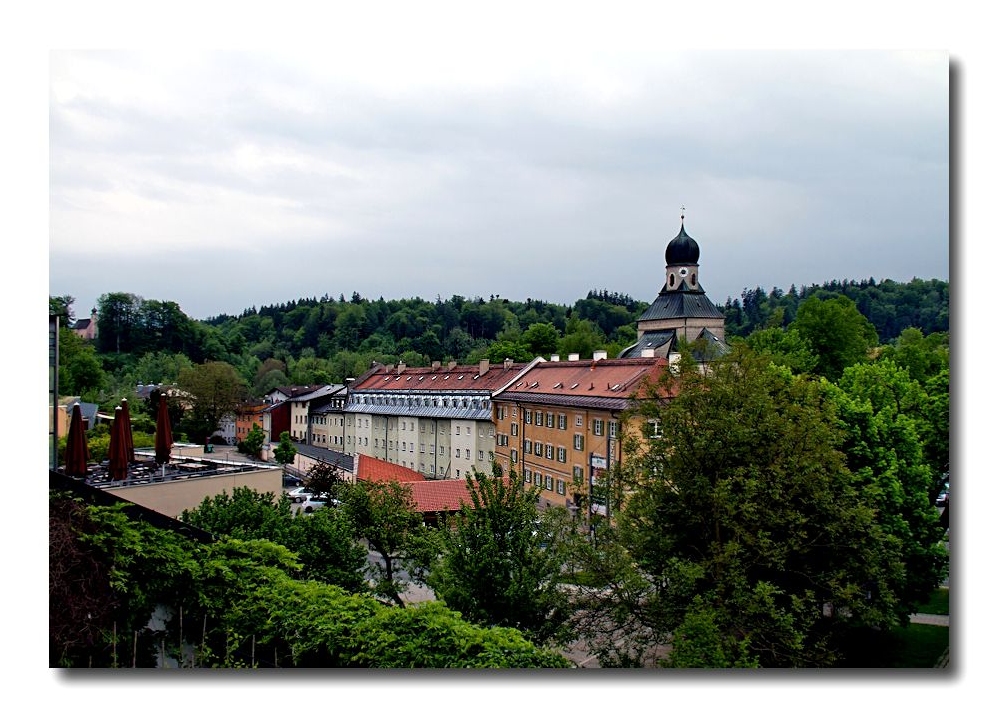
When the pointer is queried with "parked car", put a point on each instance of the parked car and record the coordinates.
(299, 494)
(943, 497)
(312, 504)
(291, 481)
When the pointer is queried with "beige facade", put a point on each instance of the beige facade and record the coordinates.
(173, 497)
(436, 420)
(435, 447)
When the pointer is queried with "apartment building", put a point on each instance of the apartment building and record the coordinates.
(558, 426)
(326, 418)
(436, 420)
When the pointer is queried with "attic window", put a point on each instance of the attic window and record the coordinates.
(573, 386)
(558, 385)
(432, 378)
(460, 377)
(397, 378)
(421, 377)
(387, 378)
(408, 378)
(615, 387)
(533, 385)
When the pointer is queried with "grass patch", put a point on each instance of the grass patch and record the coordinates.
(938, 603)
(912, 646)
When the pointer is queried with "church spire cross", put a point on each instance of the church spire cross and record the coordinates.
(682, 213)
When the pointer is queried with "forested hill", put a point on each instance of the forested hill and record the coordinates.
(889, 306)
(310, 341)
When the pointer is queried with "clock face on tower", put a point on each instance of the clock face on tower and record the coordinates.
(683, 271)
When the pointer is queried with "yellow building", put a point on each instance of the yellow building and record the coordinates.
(559, 426)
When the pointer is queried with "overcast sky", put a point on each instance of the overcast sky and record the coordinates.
(522, 149)
(227, 180)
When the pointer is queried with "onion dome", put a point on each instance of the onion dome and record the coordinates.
(682, 249)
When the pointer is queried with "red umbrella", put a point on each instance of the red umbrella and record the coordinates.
(118, 461)
(163, 440)
(77, 454)
(128, 427)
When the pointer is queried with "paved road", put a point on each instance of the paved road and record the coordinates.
(923, 619)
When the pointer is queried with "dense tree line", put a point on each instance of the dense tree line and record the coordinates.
(888, 305)
(313, 341)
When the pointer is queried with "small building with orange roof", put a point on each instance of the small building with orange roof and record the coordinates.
(433, 498)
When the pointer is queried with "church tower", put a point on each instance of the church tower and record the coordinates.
(681, 312)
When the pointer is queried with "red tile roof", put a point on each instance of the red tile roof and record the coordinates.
(601, 378)
(433, 496)
(378, 471)
(426, 378)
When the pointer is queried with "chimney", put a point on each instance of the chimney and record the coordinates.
(436, 365)
(648, 353)
(598, 355)
(451, 366)
(349, 382)
(508, 364)
(555, 357)
(574, 357)
(401, 367)
(483, 367)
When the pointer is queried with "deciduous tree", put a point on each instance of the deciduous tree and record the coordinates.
(839, 334)
(253, 441)
(385, 515)
(497, 568)
(214, 390)
(742, 517)
(285, 451)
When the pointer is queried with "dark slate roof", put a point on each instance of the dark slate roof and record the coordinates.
(680, 305)
(601, 403)
(326, 455)
(651, 340)
(321, 392)
(473, 414)
(682, 249)
(714, 347)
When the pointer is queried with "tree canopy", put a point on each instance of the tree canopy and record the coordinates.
(753, 541)
(232, 603)
(497, 566)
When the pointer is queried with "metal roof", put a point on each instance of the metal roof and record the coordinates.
(470, 414)
(681, 305)
(651, 340)
(552, 399)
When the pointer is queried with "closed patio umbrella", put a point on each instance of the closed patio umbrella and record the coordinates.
(128, 426)
(118, 461)
(163, 440)
(77, 454)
